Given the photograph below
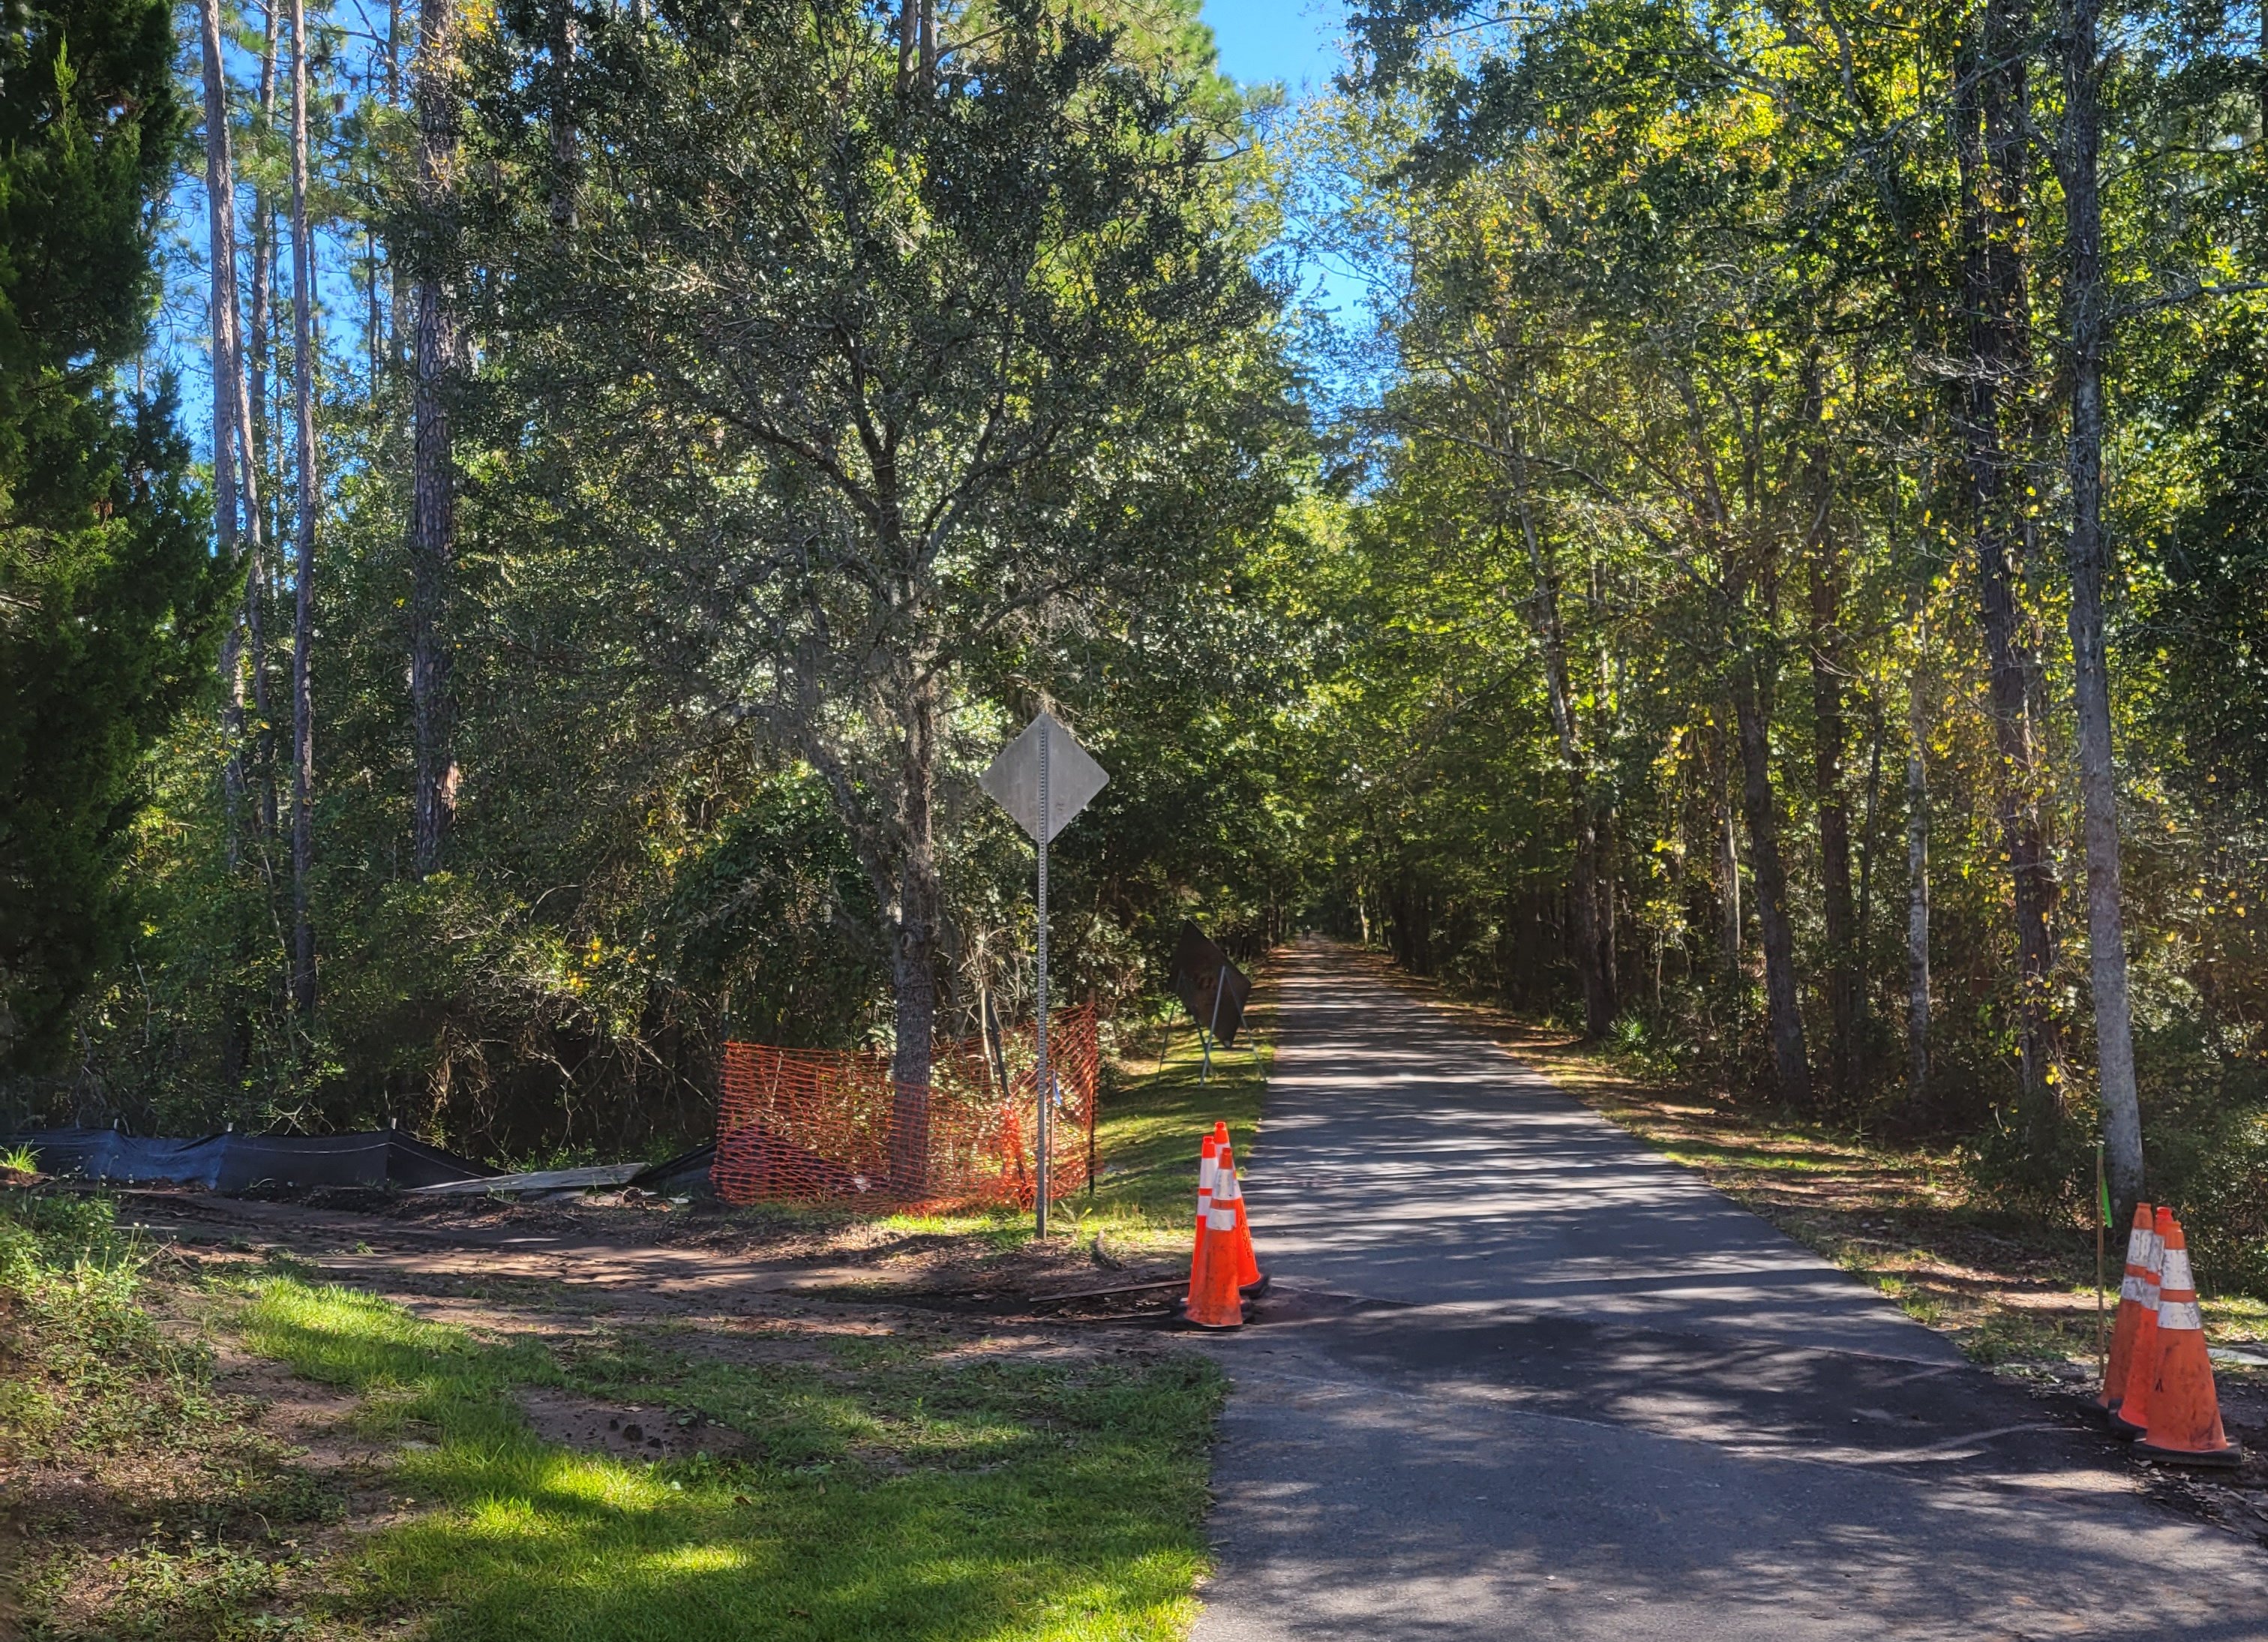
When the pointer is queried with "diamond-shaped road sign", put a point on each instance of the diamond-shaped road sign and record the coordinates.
(1210, 988)
(1073, 778)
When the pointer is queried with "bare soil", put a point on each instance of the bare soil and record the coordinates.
(251, 1505)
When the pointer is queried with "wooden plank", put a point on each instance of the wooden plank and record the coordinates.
(541, 1180)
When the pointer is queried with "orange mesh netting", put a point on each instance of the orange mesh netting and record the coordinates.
(814, 1125)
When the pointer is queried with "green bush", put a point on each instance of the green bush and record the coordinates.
(87, 1370)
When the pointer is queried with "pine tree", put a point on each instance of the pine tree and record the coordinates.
(106, 598)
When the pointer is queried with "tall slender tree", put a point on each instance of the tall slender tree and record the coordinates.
(109, 594)
(306, 508)
(1992, 147)
(433, 472)
(227, 364)
(2087, 339)
(1918, 873)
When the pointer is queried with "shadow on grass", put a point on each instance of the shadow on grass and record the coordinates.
(1148, 1132)
(898, 1493)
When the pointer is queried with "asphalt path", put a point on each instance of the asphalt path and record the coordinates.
(1522, 1378)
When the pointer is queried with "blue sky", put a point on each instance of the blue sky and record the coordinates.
(1295, 41)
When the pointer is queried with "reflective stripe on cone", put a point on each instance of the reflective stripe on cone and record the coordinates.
(1213, 1300)
(1248, 1275)
(2185, 1425)
(2133, 1416)
(2130, 1291)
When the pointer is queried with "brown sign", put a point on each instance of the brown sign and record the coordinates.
(1210, 988)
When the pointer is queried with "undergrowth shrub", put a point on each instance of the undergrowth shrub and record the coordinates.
(2205, 1145)
(85, 1368)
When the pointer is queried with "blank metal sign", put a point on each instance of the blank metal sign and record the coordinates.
(1013, 780)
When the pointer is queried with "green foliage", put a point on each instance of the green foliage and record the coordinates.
(774, 909)
(652, 844)
(928, 453)
(1674, 302)
(2208, 612)
(106, 595)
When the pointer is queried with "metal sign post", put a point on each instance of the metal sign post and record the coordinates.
(1212, 1026)
(1042, 1084)
(1043, 779)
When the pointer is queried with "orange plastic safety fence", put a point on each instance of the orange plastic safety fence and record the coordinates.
(814, 1125)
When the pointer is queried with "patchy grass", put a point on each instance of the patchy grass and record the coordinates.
(1150, 1125)
(217, 1447)
(140, 1500)
(904, 1486)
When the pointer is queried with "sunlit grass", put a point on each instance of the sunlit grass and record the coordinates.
(892, 1491)
(1150, 1129)
(2237, 1319)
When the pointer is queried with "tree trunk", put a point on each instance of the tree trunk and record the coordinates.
(1828, 735)
(914, 954)
(303, 629)
(399, 322)
(260, 323)
(259, 344)
(220, 203)
(1917, 900)
(2086, 324)
(1728, 864)
(566, 155)
(1588, 894)
(1784, 1015)
(432, 499)
(1990, 109)
(260, 329)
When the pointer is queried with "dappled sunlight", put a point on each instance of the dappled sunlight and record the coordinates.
(1567, 1388)
(692, 1559)
(1408, 1164)
(566, 1479)
(927, 1499)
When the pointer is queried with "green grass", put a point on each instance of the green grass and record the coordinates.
(1148, 1132)
(2236, 1319)
(90, 1372)
(895, 1488)
(151, 1510)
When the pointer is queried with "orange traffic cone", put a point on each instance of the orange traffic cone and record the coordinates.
(2130, 1309)
(2133, 1416)
(1249, 1277)
(1213, 1300)
(2184, 1411)
(1200, 1246)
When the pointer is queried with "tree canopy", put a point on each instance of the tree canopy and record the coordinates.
(1769, 575)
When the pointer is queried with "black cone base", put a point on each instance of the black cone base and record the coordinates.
(2216, 1459)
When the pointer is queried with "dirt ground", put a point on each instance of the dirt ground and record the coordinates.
(280, 1474)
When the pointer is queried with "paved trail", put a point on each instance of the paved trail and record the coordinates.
(1526, 1380)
